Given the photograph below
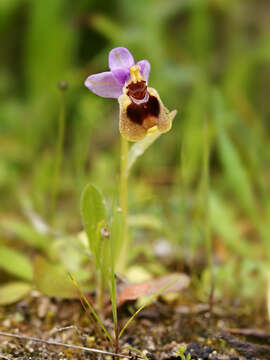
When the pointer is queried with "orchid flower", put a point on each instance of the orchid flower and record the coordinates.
(141, 109)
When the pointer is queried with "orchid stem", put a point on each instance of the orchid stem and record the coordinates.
(208, 235)
(124, 202)
(100, 293)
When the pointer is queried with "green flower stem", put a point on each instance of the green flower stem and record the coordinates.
(124, 202)
(100, 292)
(59, 155)
(206, 182)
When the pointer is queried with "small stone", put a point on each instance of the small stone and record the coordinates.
(6, 323)
(150, 356)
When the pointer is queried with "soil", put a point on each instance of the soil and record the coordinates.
(216, 333)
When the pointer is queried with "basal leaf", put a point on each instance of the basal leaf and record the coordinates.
(13, 292)
(93, 213)
(15, 263)
(24, 233)
(52, 279)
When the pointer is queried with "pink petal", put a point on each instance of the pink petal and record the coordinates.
(145, 68)
(120, 58)
(104, 84)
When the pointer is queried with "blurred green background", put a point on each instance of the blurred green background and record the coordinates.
(210, 61)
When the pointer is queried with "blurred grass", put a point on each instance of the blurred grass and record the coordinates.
(209, 60)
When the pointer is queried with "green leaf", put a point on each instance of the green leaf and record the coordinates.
(15, 263)
(93, 213)
(47, 34)
(146, 221)
(235, 171)
(13, 292)
(223, 221)
(107, 27)
(7, 9)
(192, 139)
(25, 233)
(52, 279)
(140, 147)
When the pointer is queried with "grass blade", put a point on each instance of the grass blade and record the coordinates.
(92, 310)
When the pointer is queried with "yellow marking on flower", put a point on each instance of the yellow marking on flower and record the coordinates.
(152, 129)
(135, 73)
(170, 125)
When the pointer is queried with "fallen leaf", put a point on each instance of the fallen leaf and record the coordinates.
(151, 287)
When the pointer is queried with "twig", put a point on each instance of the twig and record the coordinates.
(4, 357)
(245, 348)
(70, 327)
(56, 343)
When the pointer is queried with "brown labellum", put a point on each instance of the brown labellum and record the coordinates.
(145, 114)
(140, 110)
(137, 90)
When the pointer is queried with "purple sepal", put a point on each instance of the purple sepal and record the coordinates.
(120, 58)
(104, 84)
